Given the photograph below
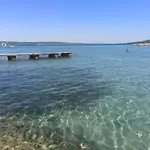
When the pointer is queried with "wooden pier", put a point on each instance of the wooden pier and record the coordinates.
(37, 55)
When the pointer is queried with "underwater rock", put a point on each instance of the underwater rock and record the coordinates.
(138, 133)
(53, 147)
(41, 139)
(28, 135)
(6, 147)
(85, 146)
(34, 136)
(18, 127)
(44, 147)
(56, 138)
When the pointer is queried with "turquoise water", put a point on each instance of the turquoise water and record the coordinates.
(98, 99)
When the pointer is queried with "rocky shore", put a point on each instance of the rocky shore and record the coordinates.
(23, 139)
(16, 135)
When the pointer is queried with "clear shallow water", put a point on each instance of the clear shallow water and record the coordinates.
(96, 100)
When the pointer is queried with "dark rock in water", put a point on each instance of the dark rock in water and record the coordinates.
(3, 125)
(18, 127)
(56, 138)
(95, 146)
(59, 131)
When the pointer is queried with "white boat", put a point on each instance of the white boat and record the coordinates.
(11, 46)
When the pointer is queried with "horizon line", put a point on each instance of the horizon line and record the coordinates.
(6, 41)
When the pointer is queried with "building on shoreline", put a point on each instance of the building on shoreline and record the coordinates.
(141, 44)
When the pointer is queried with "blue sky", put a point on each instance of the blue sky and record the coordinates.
(94, 21)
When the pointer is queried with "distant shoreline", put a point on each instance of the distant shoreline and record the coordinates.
(141, 44)
(11, 44)
(47, 43)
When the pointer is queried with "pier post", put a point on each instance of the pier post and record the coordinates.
(11, 57)
(34, 56)
(64, 54)
(51, 56)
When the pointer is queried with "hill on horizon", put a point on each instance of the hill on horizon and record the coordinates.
(138, 42)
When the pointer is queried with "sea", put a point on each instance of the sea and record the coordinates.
(96, 99)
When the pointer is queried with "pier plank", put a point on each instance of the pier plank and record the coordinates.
(36, 55)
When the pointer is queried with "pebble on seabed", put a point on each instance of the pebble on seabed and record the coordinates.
(84, 147)
(139, 133)
(34, 136)
(44, 147)
(52, 146)
(5, 147)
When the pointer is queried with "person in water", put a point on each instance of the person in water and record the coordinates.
(126, 50)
